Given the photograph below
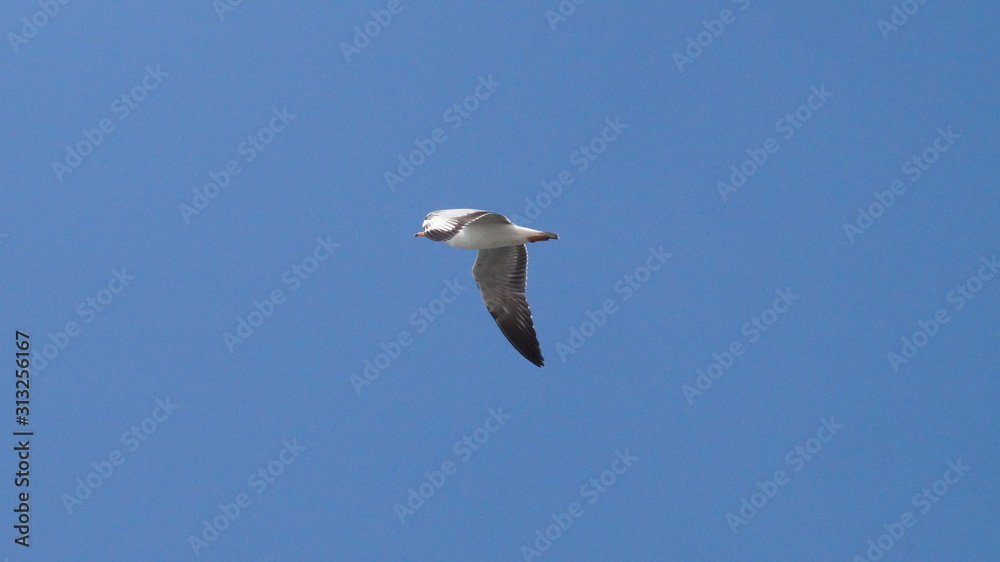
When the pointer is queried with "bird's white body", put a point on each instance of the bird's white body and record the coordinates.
(485, 236)
(472, 229)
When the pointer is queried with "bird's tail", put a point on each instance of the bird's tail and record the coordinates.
(543, 236)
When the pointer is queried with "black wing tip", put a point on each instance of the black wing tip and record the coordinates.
(534, 356)
(527, 346)
(525, 342)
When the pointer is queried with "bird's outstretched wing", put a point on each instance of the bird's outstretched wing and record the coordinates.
(441, 226)
(501, 274)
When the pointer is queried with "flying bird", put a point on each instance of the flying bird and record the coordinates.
(500, 268)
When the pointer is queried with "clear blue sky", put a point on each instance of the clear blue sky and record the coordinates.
(769, 324)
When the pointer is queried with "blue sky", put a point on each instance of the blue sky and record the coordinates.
(769, 323)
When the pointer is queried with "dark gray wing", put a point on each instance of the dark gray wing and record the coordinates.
(501, 274)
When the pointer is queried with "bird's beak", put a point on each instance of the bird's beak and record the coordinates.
(419, 234)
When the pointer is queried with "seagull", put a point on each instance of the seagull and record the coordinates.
(500, 268)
